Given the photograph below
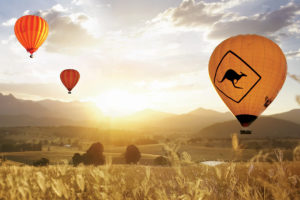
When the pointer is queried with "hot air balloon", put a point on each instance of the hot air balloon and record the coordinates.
(31, 31)
(69, 77)
(247, 71)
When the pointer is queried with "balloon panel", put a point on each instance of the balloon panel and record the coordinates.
(247, 71)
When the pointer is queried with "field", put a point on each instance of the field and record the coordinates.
(61, 155)
(253, 180)
(249, 169)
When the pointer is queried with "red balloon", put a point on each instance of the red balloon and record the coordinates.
(69, 77)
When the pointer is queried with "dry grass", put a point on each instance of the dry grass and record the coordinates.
(185, 180)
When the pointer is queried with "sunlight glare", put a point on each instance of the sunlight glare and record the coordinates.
(116, 103)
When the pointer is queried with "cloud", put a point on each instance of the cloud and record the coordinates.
(263, 24)
(66, 31)
(293, 54)
(190, 13)
(295, 77)
(220, 21)
(10, 22)
(77, 2)
(196, 14)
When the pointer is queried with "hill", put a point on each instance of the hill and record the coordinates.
(263, 127)
(18, 112)
(26, 120)
(292, 115)
(194, 120)
(148, 115)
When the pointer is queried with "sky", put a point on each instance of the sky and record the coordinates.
(140, 54)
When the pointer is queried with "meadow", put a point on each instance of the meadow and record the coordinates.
(184, 180)
(249, 169)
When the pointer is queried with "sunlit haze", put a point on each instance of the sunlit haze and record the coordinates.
(140, 54)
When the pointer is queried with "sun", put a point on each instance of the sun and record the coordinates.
(116, 103)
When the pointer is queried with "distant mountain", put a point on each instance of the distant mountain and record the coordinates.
(25, 120)
(205, 112)
(13, 111)
(161, 121)
(18, 112)
(263, 127)
(292, 115)
(9, 105)
(149, 115)
(78, 111)
(194, 120)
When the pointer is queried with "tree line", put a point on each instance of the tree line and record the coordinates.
(10, 147)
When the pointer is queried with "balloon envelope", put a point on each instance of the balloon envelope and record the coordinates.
(247, 71)
(69, 77)
(31, 31)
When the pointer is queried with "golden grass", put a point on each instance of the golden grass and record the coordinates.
(183, 181)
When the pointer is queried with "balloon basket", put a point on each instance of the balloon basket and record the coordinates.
(245, 132)
(69, 92)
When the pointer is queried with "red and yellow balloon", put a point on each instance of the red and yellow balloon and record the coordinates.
(31, 31)
(69, 77)
(247, 71)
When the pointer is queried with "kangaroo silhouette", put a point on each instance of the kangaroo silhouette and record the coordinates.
(234, 77)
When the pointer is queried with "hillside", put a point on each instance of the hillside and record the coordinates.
(263, 127)
(148, 115)
(195, 120)
(292, 115)
(16, 112)
(26, 120)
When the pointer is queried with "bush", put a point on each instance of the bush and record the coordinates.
(76, 159)
(41, 162)
(132, 154)
(93, 156)
(161, 160)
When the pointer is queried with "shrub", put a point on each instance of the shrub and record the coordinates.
(76, 159)
(41, 162)
(132, 154)
(161, 160)
(93, 156)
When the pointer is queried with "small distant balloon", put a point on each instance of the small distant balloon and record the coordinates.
(247, 71)
(69, 77)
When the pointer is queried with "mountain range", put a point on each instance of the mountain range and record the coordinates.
(19, 112)
(263, 127)
(202, 122)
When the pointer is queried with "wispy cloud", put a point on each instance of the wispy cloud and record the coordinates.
(293, 54)
(219, 20)
(67, 32)
(264, 23)
(10, 22)
(191, 13)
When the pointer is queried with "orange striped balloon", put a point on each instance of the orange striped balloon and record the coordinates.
(31, 31)
(69, 77)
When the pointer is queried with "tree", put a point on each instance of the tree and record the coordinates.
(161, 160)
(132, 154)
(41, 162)
(93, 156)
(76, 159)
